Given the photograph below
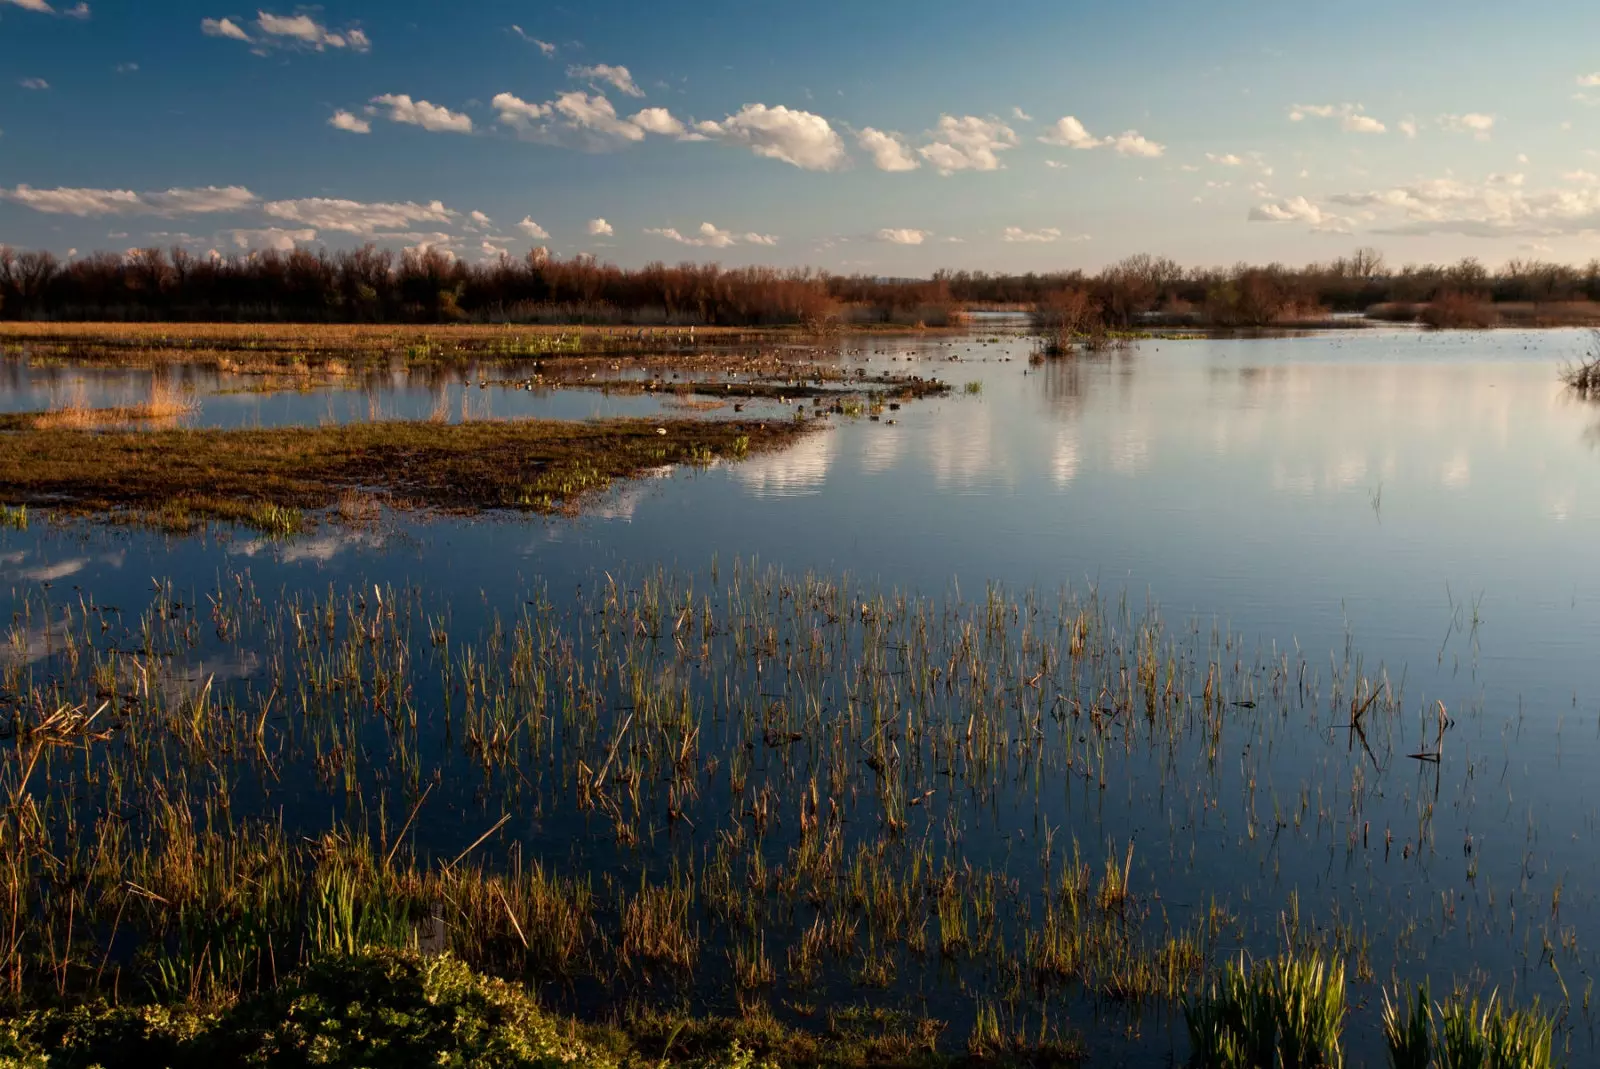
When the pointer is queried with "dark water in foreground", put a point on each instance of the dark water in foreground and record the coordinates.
(1417, 506)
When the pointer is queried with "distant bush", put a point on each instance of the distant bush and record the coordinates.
(1453, 310)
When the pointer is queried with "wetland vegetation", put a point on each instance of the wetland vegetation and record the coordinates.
(718, 817)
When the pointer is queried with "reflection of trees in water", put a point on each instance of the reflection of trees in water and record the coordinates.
(1068, 383)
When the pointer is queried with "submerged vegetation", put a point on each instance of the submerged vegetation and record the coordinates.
(269, 478)
(744, 799)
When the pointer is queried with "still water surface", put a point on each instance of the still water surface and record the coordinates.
(1428, 503)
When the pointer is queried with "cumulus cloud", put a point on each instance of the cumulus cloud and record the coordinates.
(431, 117)
(1069, 132)
(1133, 143)
(798, 138)
(275, 238)
(1407, 126)
(1499, 206)
(516, 112)
(1474, 123)
(532, 229)
(903, 236)
(78, 11)
(888, 151)
(223, 28)
(357, 217)
(711, 237)
(344, 120)
(659, 121)
(306, 31)
(1225, 159)
(1589, 81)
(601, 229)
(1352, 117)
(34, 83)
(1042, 237)
(968, 143)
(595, 116)
(93, 202)
(1295, 209)
(618, 77)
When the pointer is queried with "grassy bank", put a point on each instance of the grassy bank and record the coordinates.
(402, 1009)
(269, 478)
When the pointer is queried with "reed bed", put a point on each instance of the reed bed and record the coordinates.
(739, 795)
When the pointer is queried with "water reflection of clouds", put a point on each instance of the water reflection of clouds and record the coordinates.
(318, 549)
(623, 502)
(57, 570)
(883, 452)
(1065, 459)
(798, 470)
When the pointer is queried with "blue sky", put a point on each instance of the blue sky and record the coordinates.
(884, 136)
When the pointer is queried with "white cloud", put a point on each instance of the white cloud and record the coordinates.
(516, 112)
(34, 83)
(903, 236)
(78, 11)
(1044, 237)
(1226, 160)
(1352, 117)
(1295, 209)
(543, 46)
(479, 220)
(431, 117)
(1361, 124)
(601, 229)
(968, 143)
(304, 30)
(532, 229)
(618, 77)
(1590, 81)
(1474, 123)
(711, 237)
(1055, 165)
(274, 238)
(1133, 143)
(1020, 115)
(92, 202)
(888, 151)
(491, 251)
(1068, 132)
(595, 115)
(344, 120)
(795, 137)
(223, 28)
(1585, 178)
(1496, 208)
(659, 121)
(356, 217)
(1407, 126)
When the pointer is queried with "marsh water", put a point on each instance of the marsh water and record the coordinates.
(1371, 505)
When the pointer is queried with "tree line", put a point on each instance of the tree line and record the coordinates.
(370, 284)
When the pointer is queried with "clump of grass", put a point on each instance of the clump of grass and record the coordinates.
(164, 406)
(14, 516)
(973, 388)
(1408, 1029)
(1286, 1012)
(1466, 1035)
(1583, 378)
(280, 521)
(655, 927)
